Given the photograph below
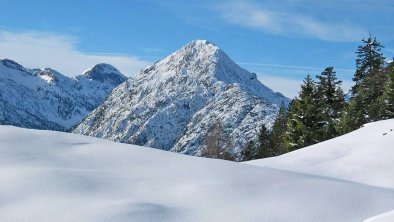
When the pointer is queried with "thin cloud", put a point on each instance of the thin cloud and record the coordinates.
(286, 23)
(41, 49)
(288, 86)
(293, 67)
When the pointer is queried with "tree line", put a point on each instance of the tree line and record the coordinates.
(322, 111)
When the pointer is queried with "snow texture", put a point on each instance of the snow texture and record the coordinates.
(365, 156)
(172, 104)
(46, 99)
(51, 176)
(385, 217)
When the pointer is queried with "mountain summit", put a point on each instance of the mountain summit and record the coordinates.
(103, 72)
(174, 103)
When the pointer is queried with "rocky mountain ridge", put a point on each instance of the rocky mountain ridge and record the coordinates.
(46, 99)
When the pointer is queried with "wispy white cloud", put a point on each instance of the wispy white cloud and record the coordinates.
(294, 67)
(288, 86)
(39, 49)
(287, 22)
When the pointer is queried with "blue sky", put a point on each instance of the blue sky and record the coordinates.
(280, 40)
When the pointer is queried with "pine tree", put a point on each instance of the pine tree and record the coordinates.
(249, 152)
(278, 132)
(388, 94)
(369, 61)
(265, 149)
(366, 103)
(332, 101)
(352, 118)
(369, 80)
(305, 117)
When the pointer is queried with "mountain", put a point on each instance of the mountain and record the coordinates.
(173, 104)
(51, 176)
(364, 156)
(46, 99)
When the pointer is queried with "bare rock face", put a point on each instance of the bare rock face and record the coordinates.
(172, 104)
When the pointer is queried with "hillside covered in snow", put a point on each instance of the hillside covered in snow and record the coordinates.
(365, 156)
(173, 104)
(55, 176)
(46, 99)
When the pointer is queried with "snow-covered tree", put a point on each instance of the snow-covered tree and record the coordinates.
(332, 101)
(305, 117)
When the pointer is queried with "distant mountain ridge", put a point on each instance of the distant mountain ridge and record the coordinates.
(46, 99)
(172, 104)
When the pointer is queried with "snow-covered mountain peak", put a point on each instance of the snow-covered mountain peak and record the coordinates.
(194, 55)
(50, 76)
(103, 72)
(202, 61)
(11, 64)
(46, 99)
(201, 46)
(173, 104)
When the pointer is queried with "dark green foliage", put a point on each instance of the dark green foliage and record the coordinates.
(369, 61)
(306, 122)
(270, 143)
(331, 101)
(367, 103)
(388, 94)
(265, 149)
(352, 118)
(278, 132)
(249, 152)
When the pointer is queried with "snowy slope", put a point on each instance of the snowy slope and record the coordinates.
(365, 155)
(384, 217)
(55, 176)
(172, 104)
(46, 99)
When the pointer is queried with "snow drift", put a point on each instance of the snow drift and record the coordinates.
(55, 176)
(365, 156)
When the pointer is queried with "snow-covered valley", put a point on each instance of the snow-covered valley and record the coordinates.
(55, 176)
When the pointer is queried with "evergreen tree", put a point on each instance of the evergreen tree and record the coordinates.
(366, 103)
(249, 152)
(305, 117)
(369, 80)
(352, 118)
(388, 94)
(332, 101)
(265, 149)
(278, 132)
(369, 61)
